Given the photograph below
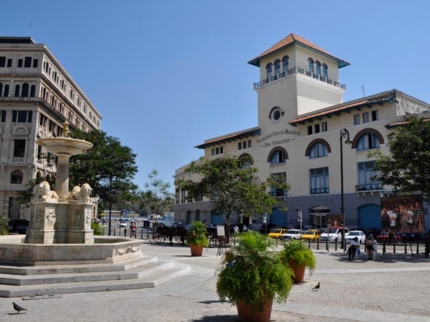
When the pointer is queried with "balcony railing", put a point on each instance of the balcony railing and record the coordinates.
(295, 70)
(281, 193)
(369, 187)
(316, 191)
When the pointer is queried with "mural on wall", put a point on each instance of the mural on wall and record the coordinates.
(402, 214)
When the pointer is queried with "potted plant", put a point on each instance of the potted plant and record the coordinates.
(298, 256)
(252, 275)
(197, 238)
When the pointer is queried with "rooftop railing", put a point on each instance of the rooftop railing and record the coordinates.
(295, 70)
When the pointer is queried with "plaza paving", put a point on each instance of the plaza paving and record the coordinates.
(394, 288)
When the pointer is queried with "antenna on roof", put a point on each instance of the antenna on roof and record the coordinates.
(362, 88)
(31, 24)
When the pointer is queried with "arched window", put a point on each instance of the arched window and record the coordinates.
(33, 91)
(246, 160)
(198, 215)
(277, 67)
(16, 177)
(277, 156)
(318, 67)
(285, 65)
(325, 70)
(269, 71)
(6, 91)
(318, 150)
(38, 174)
(368, 141)
(25, 88)
(17, 90)
(311, 65)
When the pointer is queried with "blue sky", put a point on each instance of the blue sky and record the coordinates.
(168, 74)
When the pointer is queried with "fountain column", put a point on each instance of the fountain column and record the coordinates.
(62, 178)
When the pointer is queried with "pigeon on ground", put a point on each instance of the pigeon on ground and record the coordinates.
(316, 287)
(18, 308)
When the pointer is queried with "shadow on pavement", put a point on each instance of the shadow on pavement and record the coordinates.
(385, 258)
(218, 318)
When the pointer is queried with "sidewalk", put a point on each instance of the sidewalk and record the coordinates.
(394, 288)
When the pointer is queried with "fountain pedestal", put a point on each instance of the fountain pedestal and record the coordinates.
(61, 223)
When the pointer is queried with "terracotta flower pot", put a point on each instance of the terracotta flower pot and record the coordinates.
(196, 250)
(299, 271)
(250, 313)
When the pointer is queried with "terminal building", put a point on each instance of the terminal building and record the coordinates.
(307, 134)
(37, 96)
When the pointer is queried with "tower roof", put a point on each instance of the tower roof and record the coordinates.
(293, 39)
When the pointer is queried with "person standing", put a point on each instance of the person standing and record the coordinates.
(236, 229)
(133, 228)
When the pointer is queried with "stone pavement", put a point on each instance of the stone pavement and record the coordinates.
(394, 288)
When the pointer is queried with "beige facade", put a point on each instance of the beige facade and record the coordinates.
(301, 115)
(36, 96)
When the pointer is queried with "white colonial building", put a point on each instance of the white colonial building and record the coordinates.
(36, 96)
(303, 125)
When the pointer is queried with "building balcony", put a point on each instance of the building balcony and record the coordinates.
(369, 187)
(317, 191)
(280, 193)
(296, 70)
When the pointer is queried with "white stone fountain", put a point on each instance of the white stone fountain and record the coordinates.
(60, 224)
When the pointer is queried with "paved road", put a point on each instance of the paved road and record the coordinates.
(394, 288)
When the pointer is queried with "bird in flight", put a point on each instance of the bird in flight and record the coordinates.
(316, 287)
(18, 308)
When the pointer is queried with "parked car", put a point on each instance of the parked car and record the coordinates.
(291, 234)
(312, 234)
(123, 224)
(334, 234)
(356, 233)
(263, 229)
(277, 232)
(18, 226)
(384, 236)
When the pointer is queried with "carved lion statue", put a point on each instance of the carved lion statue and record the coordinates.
(42, 192)
(81, 193)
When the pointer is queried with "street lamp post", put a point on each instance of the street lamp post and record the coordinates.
(343, 134)
(299, 218)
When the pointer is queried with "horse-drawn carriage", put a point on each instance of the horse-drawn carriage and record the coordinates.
(162, 233)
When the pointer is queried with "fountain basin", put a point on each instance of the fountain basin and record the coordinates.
(65, 146)
(106, 249)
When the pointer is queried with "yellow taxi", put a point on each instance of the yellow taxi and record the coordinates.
(277, 232)
(312, 234)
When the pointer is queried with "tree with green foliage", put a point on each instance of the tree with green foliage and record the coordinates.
(232, 185)
(4, 228)
(156, 197)
(407, 167)
(108, 167)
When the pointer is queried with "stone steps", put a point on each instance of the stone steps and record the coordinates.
(147, 273)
